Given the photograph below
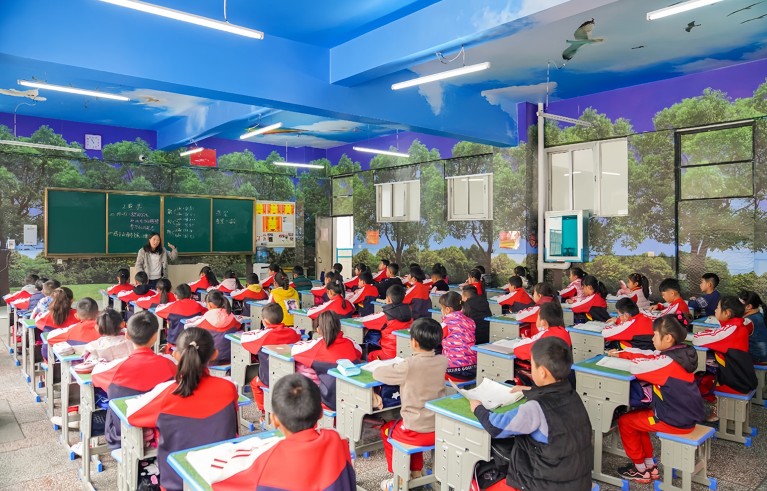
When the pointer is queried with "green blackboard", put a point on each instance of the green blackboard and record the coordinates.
(132, 218)
(232, 225)
(75, 223)
(187, 223)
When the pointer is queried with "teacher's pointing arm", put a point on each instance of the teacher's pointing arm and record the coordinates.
(173, 253)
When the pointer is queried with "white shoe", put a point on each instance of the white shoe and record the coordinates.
(77, 448)
(56, 420)
(73, 425)
(387, 484)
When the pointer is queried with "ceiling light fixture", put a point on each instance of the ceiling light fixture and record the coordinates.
(191, 151)
(40, 145)
(381, 152)
(259, 131)
(73, 90)
(679, 8)
(293, 164)
(442, 75)
(186, 17)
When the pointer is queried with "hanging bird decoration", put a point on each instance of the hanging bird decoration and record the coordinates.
(690, 26)
(755, 18)
(582, 37)
(744, 8)
(29, 94)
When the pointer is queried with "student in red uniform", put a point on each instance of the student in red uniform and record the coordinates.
(550, 323)
(381, 274)
(364, 296)
(61, 314)
(573, 292)
(206, 280)
(330, 347)
(193, 410)
(353, 283)
(252, 291)
(517, 299)
(542, 293)
(175, 312)
(274, 332)
(477, 308)
(220, 321)
(438, 282)
(392, 270)
(593, 307)
(111, 343)
(336, 302)
(229, 282)
(321, 292)
(676, 402)
(381, 326)
(269, 281)
(669, 290)
(162, 295)
(323, 454)
(123, 285)
(136, 374)
(26, 291)
(632, 328)
(475, 280)
(637, 289)
(417, 295)
(82, 332)
(25, 304)
(140, 289)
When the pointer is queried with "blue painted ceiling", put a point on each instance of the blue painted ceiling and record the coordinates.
(324, 69)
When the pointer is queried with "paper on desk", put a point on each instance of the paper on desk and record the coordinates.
(370, 367)
(503, 346)
(592, 326)
(615, 363)
(711, 320)
(490, 393)
(222, 461)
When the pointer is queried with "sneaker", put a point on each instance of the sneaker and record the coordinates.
(631, 473)
(56, 420)
(77, 449)
(654, 473)
(712, 417)
(387, 484)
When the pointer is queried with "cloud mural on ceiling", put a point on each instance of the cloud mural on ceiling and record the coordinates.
(508, 97)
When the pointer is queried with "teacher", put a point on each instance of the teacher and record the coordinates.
(153, 259)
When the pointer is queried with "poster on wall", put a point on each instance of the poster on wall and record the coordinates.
(275, 223)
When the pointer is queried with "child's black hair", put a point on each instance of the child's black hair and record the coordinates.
(551, 312)
(60, 305)
(418, 274)
(367, 277)
(298, 270)
(413, 265)
(599, 287)
(385, 262)
(546, 290)
(282, 280)
(427, 332)
(669, 284)
(141, 326)
(393, 269)
(338, 267)
(451, 300)
(480, 268)
(751, 298)
(210, 275)
(712, 277)
(439, 270)
(521, 271)
(396, 293)
(669, 324)
(163, 288)
(183, 291)
(218, 300)
(296, 402)
(87, 308)
(122, 275)
(642, 281)
(732, 304)
(330, 276)
(336, 286)
(233, 275)
(330, 325)
(476, 274)
(252, 279)
(577, 272)
(554, 354)
(272, 313)
(39, 285)
(470, 291)
(110, 321)
(197, 349)
(626, 306)
(515, 281)
(31, 279)
(360, 268)
(141, 278)
(275, 268)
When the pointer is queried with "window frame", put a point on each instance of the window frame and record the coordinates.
(411, 207)
(486, 213)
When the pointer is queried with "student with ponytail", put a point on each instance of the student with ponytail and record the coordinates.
(336, 302)
(282, 294)
(329, 347)
(417, 294)
(219, 321)
(163, 295)
(438, 281)
(593, 307)
(123, 282)
(206, 280)
(542, 293)
(229, 283)
(60, 315)
(574, 291)
(458, 336)
(637, 289)
(193, 410)
(175, 312)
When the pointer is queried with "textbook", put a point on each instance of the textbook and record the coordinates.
(615, 363)
(505, 346)
(592, 326)
(370, 367)
(491, 394)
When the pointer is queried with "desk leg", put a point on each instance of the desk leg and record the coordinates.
(24, 350)
(50, 394)
(86, 410)
(65, 381)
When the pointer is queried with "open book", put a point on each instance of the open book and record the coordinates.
(592, 326)
(615, 363)
(370, 367)
(490, 393)
(505, 346)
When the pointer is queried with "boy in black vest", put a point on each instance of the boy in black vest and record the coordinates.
(552, 449)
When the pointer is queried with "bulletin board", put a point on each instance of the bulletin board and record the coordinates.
(275, 223)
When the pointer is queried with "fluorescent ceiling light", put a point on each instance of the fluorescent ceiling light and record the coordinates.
(293, 164)
(191, 151)
(258, 131)
(40, 145)
(382, 152)
(442, 75)
(186, 17)
(679, 8)
(73, 90)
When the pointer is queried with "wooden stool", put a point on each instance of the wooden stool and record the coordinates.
(401, 453)
(760, 398)
(328, 419)
(449, 390)
(734, 411)
(688, 454)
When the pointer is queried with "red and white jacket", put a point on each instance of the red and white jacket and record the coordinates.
(523, 348)
(677, 306)
(120, 287)
(635, 332)
(150, 301)
(26, 291)
(594, 307)
(418, 297)
(573, 290)
(307, 352)
(379, 276)
(269, 282)
(729, 343)
(516, 300)
(636, 295)
(253, 341)
(337, 304)
(219, 323)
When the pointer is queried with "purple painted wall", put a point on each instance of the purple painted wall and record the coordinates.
(441, 143)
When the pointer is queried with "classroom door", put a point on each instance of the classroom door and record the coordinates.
(324, 245)
(343, 241)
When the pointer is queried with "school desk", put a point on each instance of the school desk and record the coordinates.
(117, 304)
(354, 330)
(240, 366)
(503, 327)
(495, 307)
(65, 361)
(48, 368)
(104, 303)
(701, 351)
(27, 348)
(434, 297)
(460, 440)
(301, 321)
(307, 299)
(193, 481)
(611, 305)
(494, 292)
(354, 401)
(602, 391)
(567, 314)
(136, 308)
(132, 443)
(202, 294)
(87, 408)
(378, 305)
(494, 362)
(255, 312)
(281, 364)
(404, 349)
(699, 325)
(6, 323)
(436, 314)
(586, 343)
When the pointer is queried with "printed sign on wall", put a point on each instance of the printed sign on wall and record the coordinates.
(275, 224)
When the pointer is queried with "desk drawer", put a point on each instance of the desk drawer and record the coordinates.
(349, 395)
(494, 368)
(472, 439)
(502, 330)
(279, 368)
(602, 388)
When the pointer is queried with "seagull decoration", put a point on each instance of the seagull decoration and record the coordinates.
(582, 37)
(690, 26)
(744, 8)
(755, 18)
(29, 94)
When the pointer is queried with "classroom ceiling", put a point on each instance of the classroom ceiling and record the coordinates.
(324, 69)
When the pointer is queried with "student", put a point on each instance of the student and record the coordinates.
(324, 456)
(269, 281)
(458, 336)
(522, 273)
(421, 378)
(330, 347)
(274, 332)
(417, 295)
(44, 303)
(140, 289)
(593, 307)
(337, 268)
(26, 291)
(381, 326)
(321, 292)
(84, 330)
(551, 430)
(757, 341)
(206, 280)
(285, 296)
(27, 303)
(475, 280)
(573, 292)
(676, 402)
(193, 410)
(123, 282)
(517, 299)
(111, 343)
(61, 314)
(734, 366)
(229, 283)
(252, 291)
(550, 323)
(381, 274)
(300, 282)
(438, 275)
(336, 302)
(392, 270)
(162, 295)
(183, 308)
(366, 293)
(542, 293)
(632, 329)
(136, 374)
(353, 282)
(705, 304)
(669, 290)
(477, 308)
(638, 290)
(220, 321)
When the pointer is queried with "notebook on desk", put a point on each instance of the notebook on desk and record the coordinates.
(490, 393)
(370, 367)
